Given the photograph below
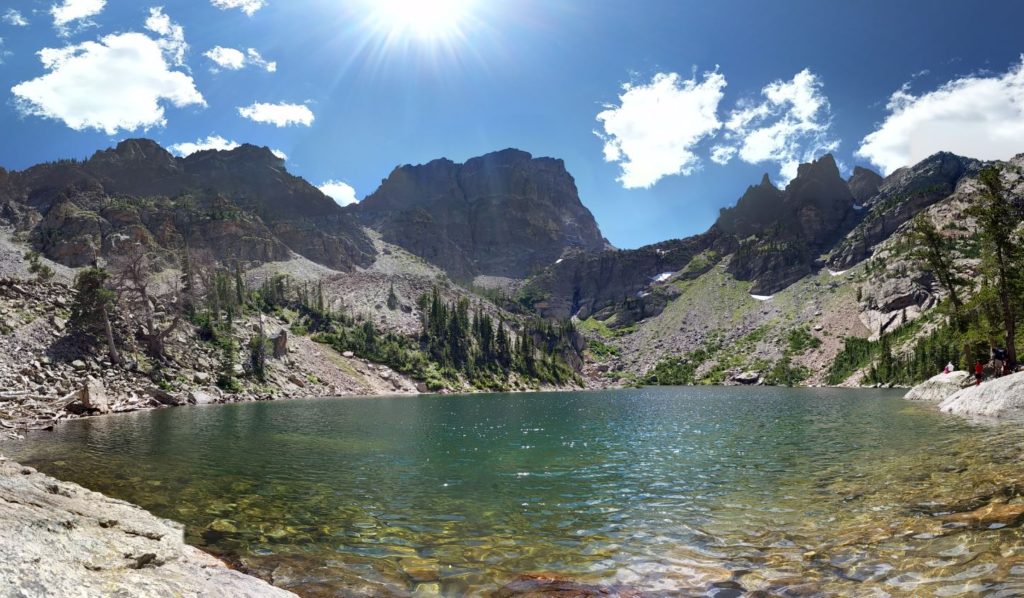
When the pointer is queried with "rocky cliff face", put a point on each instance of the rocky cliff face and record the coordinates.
(237, 204)
(504, 214)
(772, 238)
(900, 197)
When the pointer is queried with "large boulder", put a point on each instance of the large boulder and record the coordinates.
(163, 397)
(1002, 397)
(940, 387)
(91, 398)
(281, 345)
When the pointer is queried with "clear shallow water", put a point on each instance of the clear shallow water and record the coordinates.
(704, 490)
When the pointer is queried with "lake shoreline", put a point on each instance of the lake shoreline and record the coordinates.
(238, 564)
(59, 538)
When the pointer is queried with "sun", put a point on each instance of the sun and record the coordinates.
(428, 20)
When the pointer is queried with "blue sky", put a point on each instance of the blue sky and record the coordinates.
(348, 89)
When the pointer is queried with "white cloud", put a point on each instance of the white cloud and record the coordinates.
(227, 58)
(977, 116)
(790, 126)
(212, 142)
(280, 115)
(257, 60)
(15, 18)
(249, 7)
(172, 35)
(652, 133)
(69, 11)
(3, 53)
(233, 60)
(117, 84)
(339, 191)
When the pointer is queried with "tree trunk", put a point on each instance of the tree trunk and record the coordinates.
(115, 357)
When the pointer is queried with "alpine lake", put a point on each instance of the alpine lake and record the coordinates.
(660, 491)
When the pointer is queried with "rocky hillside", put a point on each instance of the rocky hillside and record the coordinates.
(505, 214)
(240, 204)
(778, 283)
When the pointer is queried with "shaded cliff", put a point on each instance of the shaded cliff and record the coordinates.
(238, 204)
(503, 214)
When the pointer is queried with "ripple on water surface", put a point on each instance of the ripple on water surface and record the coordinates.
(789, 491)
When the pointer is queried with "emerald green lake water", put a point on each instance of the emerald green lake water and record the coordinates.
(693, 491)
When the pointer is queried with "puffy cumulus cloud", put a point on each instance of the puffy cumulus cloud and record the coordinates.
(116, 84)
(227, 58)
(977, 116)
(653, 131)
(280, 115)
(341, 192)
(212, 142)
(234, 60)
(789, 126)
(249, 7)
(172, 35)
(15, 18)
(279, 154)
(70, 11)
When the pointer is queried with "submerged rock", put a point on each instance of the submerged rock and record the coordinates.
(994, 515)
(1001, 397)
(539, 585)
(940, 387)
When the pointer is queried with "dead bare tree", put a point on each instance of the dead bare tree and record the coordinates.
(137, 291)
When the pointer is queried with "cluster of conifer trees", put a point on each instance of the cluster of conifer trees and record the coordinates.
(983, 305)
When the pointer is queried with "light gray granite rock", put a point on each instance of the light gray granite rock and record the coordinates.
(1001, 397)
(59, 539)
(940, 387)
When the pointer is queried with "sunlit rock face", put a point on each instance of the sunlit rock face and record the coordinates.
(503, 214)
(900, 197)
(240, 204)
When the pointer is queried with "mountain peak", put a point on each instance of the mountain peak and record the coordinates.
(505, 213)
(134, 151)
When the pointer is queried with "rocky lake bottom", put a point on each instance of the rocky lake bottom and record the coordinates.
(718, 491)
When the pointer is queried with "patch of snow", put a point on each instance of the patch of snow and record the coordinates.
(858, 207)
(643, 294)
(663, 276)
(560, 260)
(834, 273)
(762, 297)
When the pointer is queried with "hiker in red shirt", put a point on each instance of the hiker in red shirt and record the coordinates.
(979, 369)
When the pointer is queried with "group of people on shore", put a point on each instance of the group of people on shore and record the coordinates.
(1000, 366)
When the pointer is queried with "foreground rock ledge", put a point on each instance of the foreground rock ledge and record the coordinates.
(1002, 397)
(59, 539)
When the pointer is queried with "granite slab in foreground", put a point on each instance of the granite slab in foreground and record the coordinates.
(59, 539)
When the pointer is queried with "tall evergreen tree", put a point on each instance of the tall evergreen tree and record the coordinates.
(1002, 255)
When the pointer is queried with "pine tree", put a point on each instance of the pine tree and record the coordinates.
(1002, 256)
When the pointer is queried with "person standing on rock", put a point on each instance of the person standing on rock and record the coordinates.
(979, 371)
(998, 361)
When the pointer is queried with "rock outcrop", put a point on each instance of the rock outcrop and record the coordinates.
(59, 539)
(903, 195)
(1001, 397)
(780, 234)
(240, 204)
(504, 214)
(940, 388)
